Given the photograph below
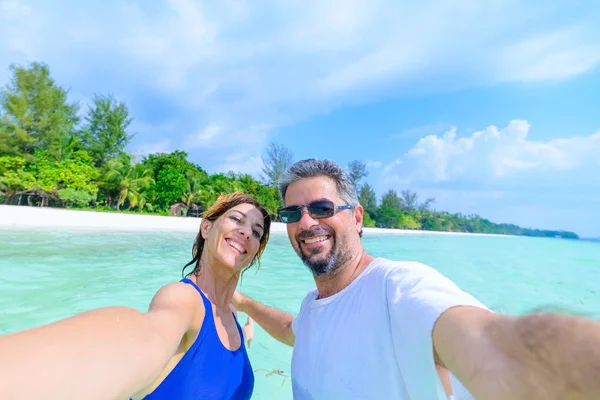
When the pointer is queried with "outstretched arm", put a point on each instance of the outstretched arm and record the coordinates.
(277, 323)
(108, 353)
(541, 356)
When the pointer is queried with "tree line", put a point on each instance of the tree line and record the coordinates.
(405, 210)
(52, 153)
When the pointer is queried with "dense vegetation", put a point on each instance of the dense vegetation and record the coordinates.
(52, 154)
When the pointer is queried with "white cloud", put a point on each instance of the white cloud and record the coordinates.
(499, 158)
(374, 164)
(555, 55)
(216, 137)
(164, 146)
(170, 45)
(13, 9)
(11, 12)
(505, 176)
(242, 164)
(423, 130)
(205, 137)
(247, 66)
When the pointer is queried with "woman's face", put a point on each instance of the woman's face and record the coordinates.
(234, 238)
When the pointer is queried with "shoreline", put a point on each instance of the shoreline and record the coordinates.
(27, 218)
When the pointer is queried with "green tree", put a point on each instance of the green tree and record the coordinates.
(35, 112)
(171, 173)
(75, 172)
(409, 200)
(431, 223)
(392, 200)
(14, 177)
(129, 181)
(267, 196)
(276, 160)
(408, 221)
(368, 199)
(193, 192)
(368, 221)
(170, 186)
(73, 196)
(105, 135)
(357, 170)
(67, 147)
(389, 217)
(216, 185)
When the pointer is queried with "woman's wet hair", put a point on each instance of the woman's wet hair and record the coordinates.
(223, 204)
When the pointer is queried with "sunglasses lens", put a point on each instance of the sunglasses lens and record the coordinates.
(320, 212)
(290, 216)
(321, 209)
(317, 210)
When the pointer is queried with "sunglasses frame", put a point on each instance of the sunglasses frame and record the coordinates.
(333, 208)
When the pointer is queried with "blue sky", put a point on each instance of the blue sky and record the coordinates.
(491, 107)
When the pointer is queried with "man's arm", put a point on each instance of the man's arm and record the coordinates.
(445, 378)
(276, 322)
(541, 356)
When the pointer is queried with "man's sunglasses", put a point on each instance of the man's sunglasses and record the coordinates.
(317, 210)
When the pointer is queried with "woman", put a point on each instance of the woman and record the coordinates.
(188, 345)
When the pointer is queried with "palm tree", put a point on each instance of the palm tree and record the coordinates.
(139, 200)
(131, 182)
(216, 185)
(193, 192)
(67, 147)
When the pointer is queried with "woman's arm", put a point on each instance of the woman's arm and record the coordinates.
(108, 353)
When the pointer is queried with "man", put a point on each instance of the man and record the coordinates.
(377, 329)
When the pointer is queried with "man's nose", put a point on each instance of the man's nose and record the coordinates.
(306, 221)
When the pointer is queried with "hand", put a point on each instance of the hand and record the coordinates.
(248, 330)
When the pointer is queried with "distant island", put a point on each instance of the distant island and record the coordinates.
(51, 155)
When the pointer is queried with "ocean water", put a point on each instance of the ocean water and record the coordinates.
(48, 275)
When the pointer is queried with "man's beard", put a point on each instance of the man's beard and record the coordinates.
(328, 264)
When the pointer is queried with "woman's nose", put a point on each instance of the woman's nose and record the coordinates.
(245, 231)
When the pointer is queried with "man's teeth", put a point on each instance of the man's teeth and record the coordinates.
(235, 246)
(315, 239)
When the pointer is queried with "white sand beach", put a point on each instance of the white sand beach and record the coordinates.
(24, 217)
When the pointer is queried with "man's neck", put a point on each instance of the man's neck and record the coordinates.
(329, 285)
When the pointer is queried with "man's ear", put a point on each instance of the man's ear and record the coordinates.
(205, 227)
(359, 213)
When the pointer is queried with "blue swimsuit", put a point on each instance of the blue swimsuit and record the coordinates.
(208, 370)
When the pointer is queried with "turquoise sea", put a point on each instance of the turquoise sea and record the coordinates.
(47, 275)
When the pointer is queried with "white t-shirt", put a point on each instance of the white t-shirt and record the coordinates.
(372, 340)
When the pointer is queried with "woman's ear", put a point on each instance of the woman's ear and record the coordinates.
(205, 227)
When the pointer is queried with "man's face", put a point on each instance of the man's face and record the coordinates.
(326, 244)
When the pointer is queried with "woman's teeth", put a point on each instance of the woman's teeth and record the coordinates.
(235, 246)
